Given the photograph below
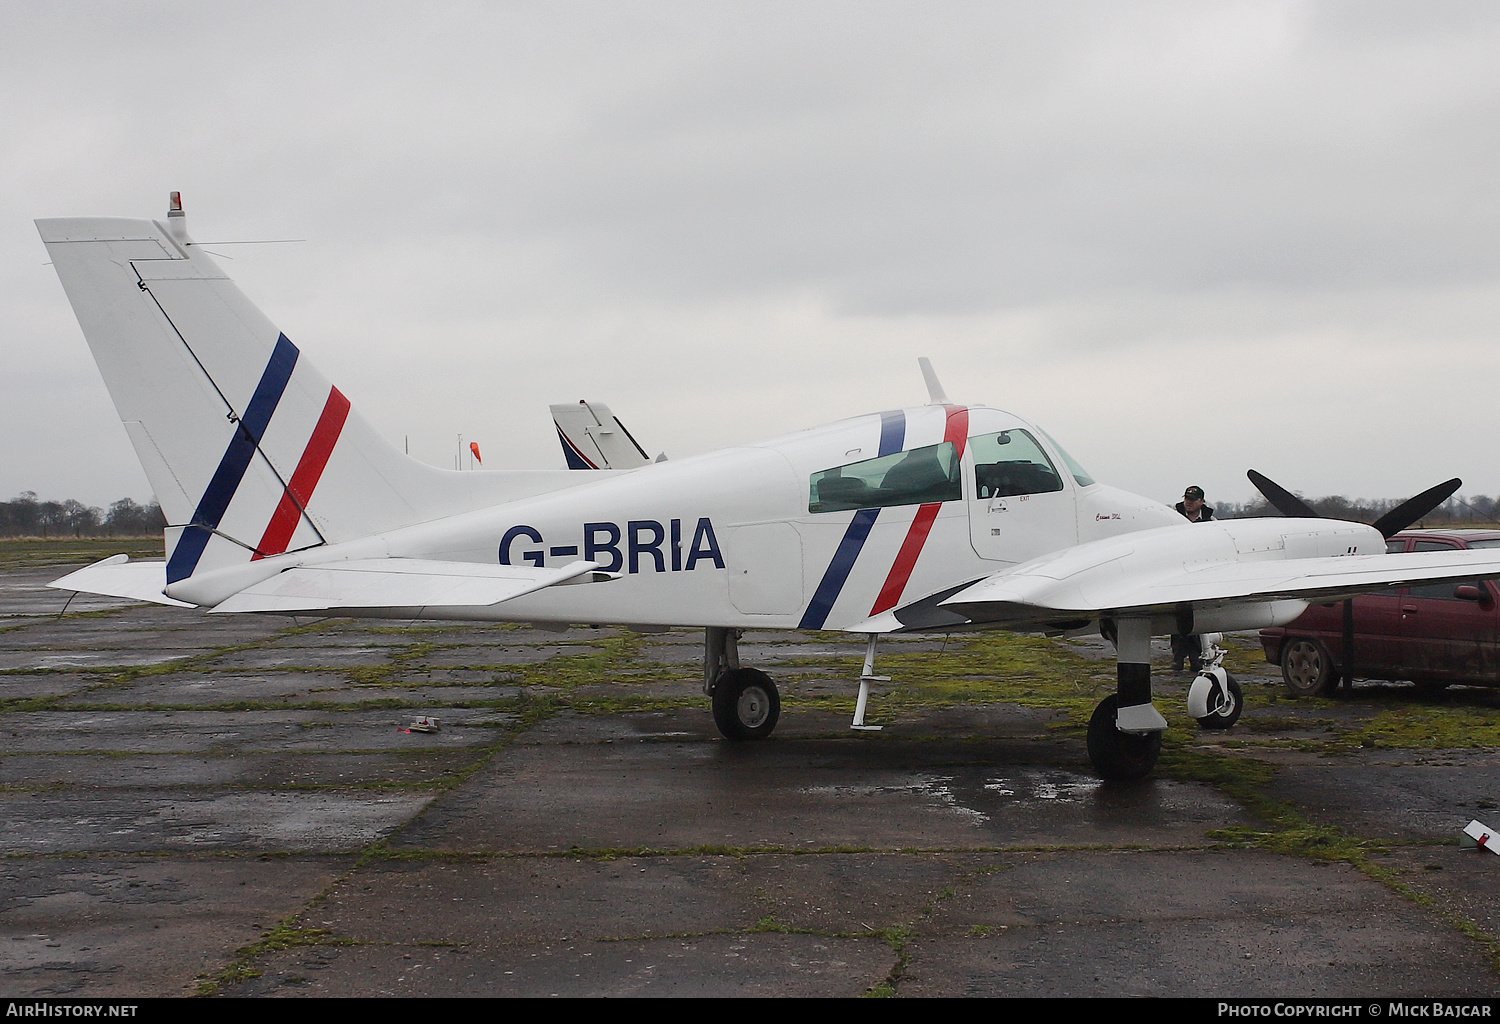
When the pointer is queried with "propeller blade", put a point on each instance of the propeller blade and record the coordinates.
(1409, 511)
(1283, 500)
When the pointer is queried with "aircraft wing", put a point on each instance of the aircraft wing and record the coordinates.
(1234, 574)
(1037, 592)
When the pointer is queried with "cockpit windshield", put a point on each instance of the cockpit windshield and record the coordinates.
(1011, 463)
(1079, 473)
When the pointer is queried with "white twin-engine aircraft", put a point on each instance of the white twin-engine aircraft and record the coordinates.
(940, 518)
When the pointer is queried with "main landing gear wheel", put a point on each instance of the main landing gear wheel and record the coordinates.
(1307, 669)
(746, 704)
(1116, 754)
(1224, 709)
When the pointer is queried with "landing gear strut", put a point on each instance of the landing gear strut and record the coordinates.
(867, 677)
(745, 702)
(1124, 737)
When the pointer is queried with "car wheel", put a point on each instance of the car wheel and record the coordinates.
(1307, 668)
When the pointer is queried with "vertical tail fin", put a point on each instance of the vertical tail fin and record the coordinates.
(249, 449)
(592, 437)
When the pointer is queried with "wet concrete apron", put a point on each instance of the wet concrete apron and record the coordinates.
(211, 803)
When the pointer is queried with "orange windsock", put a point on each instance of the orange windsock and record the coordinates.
(474, 447)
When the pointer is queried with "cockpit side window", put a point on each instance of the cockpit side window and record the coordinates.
(1011, 462)
(917, 477)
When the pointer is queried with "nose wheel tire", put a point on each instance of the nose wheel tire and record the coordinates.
(1228, 707)
(1120, 755)
(746, 704)
(1307, 669)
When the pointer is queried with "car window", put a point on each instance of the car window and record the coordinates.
(1395, 547)
(1438, 591)
(1487, 542)
(1442, 591)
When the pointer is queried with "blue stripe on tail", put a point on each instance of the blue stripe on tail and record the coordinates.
(232, 467)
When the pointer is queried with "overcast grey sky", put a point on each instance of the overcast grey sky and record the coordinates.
(1187, 238)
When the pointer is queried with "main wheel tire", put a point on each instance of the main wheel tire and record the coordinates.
(1228, 713)
(1119, 755)
(1307, 668)
(746, 704)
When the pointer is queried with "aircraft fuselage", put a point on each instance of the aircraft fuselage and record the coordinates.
(809, 530)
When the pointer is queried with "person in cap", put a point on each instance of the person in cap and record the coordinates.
(1192, 508)
(1190, 648)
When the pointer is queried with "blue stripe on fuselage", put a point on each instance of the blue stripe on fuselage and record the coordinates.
(226, 479)
(892, 432)
(892, 437)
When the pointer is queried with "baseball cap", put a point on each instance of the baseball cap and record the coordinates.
(1193, 492)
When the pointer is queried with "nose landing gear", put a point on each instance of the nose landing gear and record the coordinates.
(1214, 700)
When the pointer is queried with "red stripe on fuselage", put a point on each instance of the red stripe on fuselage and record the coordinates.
(957, 431)
(305, 478)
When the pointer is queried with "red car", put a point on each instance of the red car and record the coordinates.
(1433, 634)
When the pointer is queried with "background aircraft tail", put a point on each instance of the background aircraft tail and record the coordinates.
(249, 449)
(592, 437)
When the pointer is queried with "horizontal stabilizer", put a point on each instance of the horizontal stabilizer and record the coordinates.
(402, 583)
(118, 576)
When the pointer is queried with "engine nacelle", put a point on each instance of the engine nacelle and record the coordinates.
(1230, 618)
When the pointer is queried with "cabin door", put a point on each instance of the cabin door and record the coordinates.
(1020, 506)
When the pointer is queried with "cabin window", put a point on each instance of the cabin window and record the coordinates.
(1011, 462)
(917, 477)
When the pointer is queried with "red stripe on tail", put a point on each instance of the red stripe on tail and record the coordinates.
(305, 478)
